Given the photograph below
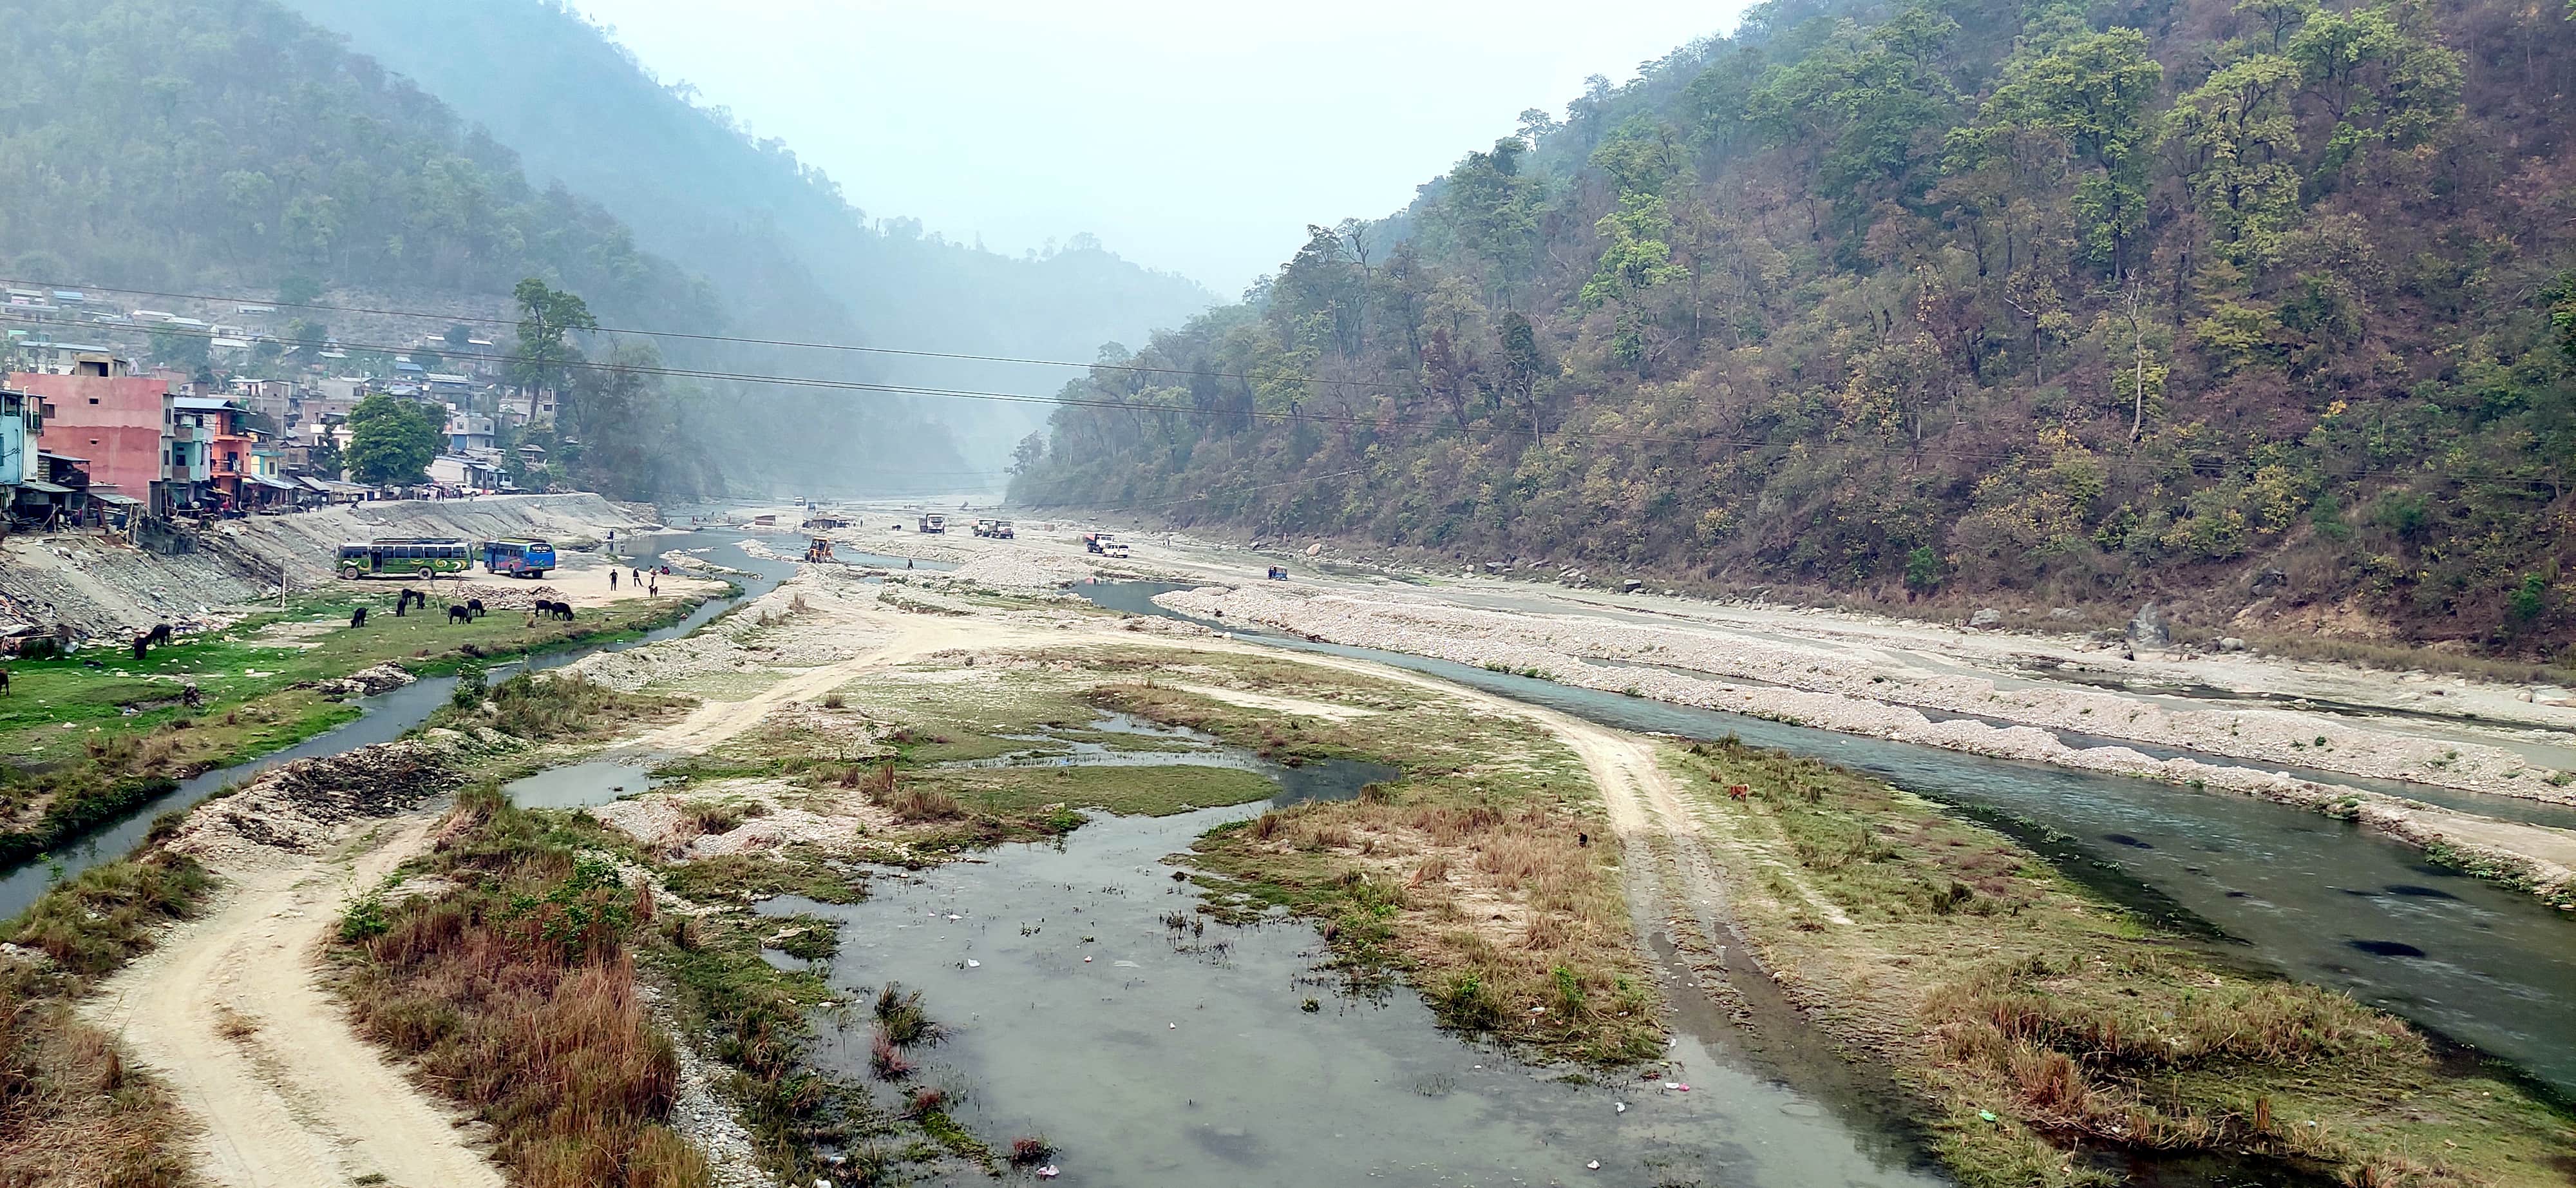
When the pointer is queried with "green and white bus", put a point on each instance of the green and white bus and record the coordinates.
(403, 557)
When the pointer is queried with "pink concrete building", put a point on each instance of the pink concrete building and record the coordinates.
(120, 423)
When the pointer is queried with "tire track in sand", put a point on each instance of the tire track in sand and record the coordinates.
(231, 1014)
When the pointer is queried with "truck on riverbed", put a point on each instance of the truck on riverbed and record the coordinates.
(1104, 544)
(996, 529)
(933, 522)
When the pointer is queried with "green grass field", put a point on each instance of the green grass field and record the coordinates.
(80, 739)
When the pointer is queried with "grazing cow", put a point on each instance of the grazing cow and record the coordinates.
(358, 617)
(1739, 791)
(4, 680)
(475, 605)
(142, 643)
(159, 635)
(458, 614)
(563, 611)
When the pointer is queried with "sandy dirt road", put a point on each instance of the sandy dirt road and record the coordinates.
(231, 1014)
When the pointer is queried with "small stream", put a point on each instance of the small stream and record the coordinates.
(2304, 895)
(1157, 1055)
(387, 716)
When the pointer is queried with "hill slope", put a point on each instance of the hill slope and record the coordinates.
(226, 145)
(2265, 307)
(771, 232)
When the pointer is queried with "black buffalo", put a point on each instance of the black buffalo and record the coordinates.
(458, 614)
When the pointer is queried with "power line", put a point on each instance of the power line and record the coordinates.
(1283, 416)
(683, 335)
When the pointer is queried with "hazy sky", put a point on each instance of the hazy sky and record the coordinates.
(1195, 137)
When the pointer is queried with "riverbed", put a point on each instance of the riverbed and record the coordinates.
(2275, 887)
(1154, 1054)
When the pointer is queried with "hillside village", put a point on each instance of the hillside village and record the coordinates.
(233, 412)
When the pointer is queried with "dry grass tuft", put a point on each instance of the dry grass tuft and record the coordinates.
(515, 994)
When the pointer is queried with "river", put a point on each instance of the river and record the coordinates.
(2274, 887)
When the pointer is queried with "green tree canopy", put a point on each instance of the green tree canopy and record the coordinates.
(546, 315)
(392, 441)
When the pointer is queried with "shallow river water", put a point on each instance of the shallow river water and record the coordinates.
(2288, 890)
(1155, 1056)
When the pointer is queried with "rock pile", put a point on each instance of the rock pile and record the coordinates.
(298, 807)
(366, 682)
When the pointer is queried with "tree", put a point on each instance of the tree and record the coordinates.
(391, 441)
(542, 356)
(2088, 95)
(179, 350)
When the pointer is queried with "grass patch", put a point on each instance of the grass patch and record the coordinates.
(87, 744)
(1467, 878)
(515, 994)
(556, 707)
(2038, 1022)
(71, 1111)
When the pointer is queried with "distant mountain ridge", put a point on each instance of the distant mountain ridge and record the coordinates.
(774, 234)
(2263, 308)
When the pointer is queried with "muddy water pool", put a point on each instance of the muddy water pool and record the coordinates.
(1151, 1055)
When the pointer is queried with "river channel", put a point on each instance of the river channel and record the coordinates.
(2275, 887)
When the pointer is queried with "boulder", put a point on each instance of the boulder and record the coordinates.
(1987, 617)
(2229, 643)
(2270, 582)
(2148, 629)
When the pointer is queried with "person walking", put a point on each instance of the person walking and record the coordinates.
(612, 581)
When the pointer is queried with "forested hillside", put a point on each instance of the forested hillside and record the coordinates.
(230, 146)
(775, 235)
(2263, 303)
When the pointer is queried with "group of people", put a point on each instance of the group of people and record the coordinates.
(650, 579)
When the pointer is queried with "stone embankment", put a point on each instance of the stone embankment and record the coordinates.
(2539, 859)
(102, 588)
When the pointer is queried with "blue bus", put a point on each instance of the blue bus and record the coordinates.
(518, 557)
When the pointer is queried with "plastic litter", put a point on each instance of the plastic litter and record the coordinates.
(1595, 1165)
(1049, 1172)
(1672, 1084)
(1987, 1115)
(971, 963)
(1623, 1107)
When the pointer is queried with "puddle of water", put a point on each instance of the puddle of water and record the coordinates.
(582, 785)
(1181, 1059)
(2303, 891)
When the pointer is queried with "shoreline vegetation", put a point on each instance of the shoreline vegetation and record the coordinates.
(2048, 1034)
(92, 743)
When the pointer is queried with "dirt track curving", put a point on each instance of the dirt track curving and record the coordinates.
(231, 1013)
